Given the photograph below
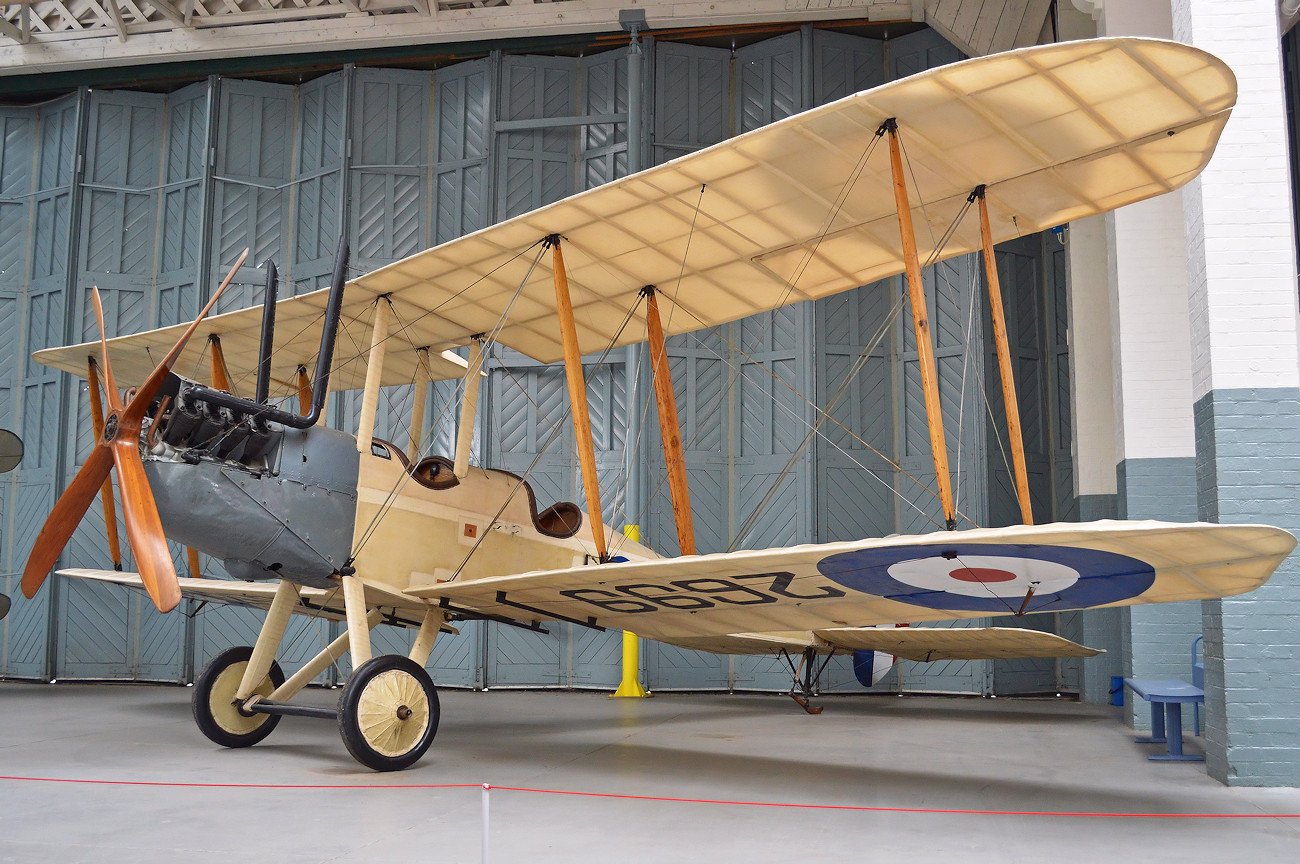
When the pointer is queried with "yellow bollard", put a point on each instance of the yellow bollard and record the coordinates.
(630, 687)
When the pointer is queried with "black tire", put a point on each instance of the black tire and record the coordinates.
(213, 703)
(375, 737)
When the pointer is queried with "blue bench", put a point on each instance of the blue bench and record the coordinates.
(1167, 697)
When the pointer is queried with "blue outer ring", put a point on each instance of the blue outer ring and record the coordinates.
(1104, 577)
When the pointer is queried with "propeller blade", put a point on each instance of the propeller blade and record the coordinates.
(114, 398)
(106, 493)
(143, 528)
(65, 517)
(135, 411)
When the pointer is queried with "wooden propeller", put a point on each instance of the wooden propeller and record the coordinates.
(119, 445)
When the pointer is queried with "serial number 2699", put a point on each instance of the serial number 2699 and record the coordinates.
(704, 593)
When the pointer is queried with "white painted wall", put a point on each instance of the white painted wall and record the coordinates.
(1091, 374)
(1150, 333)
(1242, 266)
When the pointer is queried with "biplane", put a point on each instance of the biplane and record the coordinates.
(319, 522)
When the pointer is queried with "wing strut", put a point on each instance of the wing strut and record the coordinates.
(220, 373)
(669, 428)
(374, 374)
(578, 396)
(920, 320)
(1004, 360)
(304, 392)
(419, 406)
(469, 404)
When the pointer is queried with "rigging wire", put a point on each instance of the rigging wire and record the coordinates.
(814, 429)
(555, 431)
(961, 398)
(417, 319)
(831, 216)
(405, 476)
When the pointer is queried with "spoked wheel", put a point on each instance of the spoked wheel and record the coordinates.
(215, 711)
(388, 713)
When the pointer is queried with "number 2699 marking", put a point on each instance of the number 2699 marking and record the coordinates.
(696, 594)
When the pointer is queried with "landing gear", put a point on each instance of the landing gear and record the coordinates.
(388, 713)
(806, 676)
(219, 714)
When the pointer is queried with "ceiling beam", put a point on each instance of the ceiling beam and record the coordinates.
(8, 29)
(332, 26)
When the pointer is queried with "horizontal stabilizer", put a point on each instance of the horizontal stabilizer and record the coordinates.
(924, 644)
(921, 644)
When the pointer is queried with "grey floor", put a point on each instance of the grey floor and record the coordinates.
(914, 752)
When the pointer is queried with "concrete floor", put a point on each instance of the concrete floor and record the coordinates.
(914, 752)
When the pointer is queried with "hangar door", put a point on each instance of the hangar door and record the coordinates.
(171, 186)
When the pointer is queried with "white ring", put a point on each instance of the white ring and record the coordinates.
(935, 574)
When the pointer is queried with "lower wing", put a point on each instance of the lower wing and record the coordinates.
(922, 644)
(903, 579)
(315, 602)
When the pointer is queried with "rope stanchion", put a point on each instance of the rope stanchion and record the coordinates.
(487, 787)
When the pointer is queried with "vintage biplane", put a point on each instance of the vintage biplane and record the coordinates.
(319, 522)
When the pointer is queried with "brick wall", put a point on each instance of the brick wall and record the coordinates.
(1249, 471)
(1242, 297)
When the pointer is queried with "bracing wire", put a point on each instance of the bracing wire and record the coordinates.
(593, 508)
(491, 337)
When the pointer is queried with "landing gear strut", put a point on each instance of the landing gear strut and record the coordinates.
(388, 711)
(806, 677)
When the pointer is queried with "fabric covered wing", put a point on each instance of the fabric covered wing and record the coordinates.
(902, 579)
(922, 644)
(753, 643)
(314, 602)
(784, 213)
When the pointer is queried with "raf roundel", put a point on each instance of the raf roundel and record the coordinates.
(991, 577)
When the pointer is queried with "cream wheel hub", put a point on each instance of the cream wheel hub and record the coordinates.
(393, 713)
(223, 707)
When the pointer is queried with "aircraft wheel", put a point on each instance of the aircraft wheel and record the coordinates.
(215, 711)
(388, 713)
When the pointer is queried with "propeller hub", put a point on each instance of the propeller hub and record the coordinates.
(110, 427)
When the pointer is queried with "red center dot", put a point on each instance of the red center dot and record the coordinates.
(982, 575)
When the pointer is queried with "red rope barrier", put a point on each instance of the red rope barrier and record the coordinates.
(850, 807)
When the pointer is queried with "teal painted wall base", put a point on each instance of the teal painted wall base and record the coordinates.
(1248, 470)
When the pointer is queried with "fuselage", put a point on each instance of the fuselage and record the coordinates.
(315, 506)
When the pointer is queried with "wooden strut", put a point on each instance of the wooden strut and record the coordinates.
(921, 322)
(220, 374)
(1004, 362)
(468, 408)
(304, 392)
(670, 429)
(105, 491)
(578, 397)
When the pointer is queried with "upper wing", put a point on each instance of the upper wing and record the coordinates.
(945, 575)
(1056, 132)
